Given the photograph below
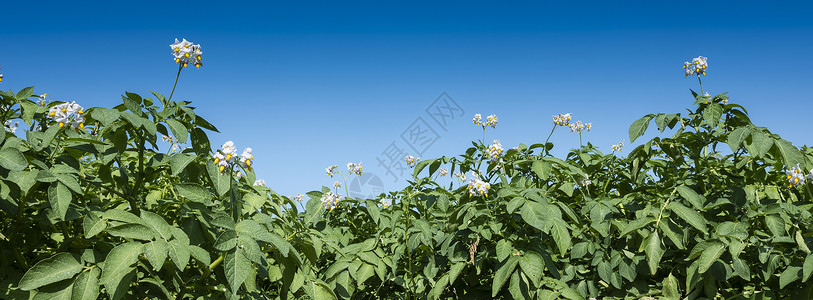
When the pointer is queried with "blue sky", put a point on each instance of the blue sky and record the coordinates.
(310, 84)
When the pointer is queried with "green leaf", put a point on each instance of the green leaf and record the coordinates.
(638, 128)
(736, 137)
(179, 248)
(605, 271)
(710, 255)
(156, 252)
(654, 252)
(807, 268)
(123, 216)
(321, 291)
(532, 265)
(86, 285)
(57, 291)
(179, 161)
(93, 225)
(12, 159)
(760, 143)
(221, 182)
(200, 142)
(541, 169)
(200, 254)
(636, 224)
(104, 115)
(504, 249)
(561, 235)
(800, 241)
(60, 198)
(502, 275)
(118, 262)
(790, 275)
(790, 154)
(671, 287)
(775, 224)
(157, 224)
(194, 192)
(741, 269)
(236, 267)
(131, 231)
(535, 214)
(712, 114)
(25, 93)
(178, 130)
(55, 268)
(693, 197)
(689, 215)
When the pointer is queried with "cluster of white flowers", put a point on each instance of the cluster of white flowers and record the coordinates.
(11, 127)
(443, 172)
(228, 152)
(168, 139)
(331, 171)
(187, 53)
(259, 182)
(331, 200)
(412, 161)
(461, 176)
(562, 119)
(68, 113)
(585, 181)
(246, 158)
(579, 126)
(494, 150)
(384, 203)
(337, 184)
(618, 147)
(796, 176)
(697, 66)
(298, 198)
(491, 120)
(477, 186)
(354, 168)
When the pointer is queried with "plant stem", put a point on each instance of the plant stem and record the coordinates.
(701, 85)
(180, 67)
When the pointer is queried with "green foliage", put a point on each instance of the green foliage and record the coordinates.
(101, 212)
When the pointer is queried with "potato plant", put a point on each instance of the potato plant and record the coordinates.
(716, 207)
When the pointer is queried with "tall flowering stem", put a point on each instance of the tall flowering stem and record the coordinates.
(180, 67)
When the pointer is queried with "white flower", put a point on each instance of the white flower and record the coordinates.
(461, 176)
(66, 113)
(331, 200)
(810, 176)
(246, 158)
(618, 147)
(412, 161)
(221, 161)
(229, 150)
(298, 198)
(337, 184)
(562, 119)
(186, 53)
(585, 181)
(697, 66)
(259, 182)
(706, 95)
(494, 150)
(331, 170)
(491, 120)
(478, 120)
(443, 172)
(238, 175)
(477, 186)
(795, 176)
(384, 203)
(11, 127)
(43, 99)
(354, 168)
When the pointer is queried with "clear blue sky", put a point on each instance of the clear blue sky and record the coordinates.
(308, 84)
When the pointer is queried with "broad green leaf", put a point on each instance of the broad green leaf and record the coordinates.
(693, 197)
(179, 161)
(178, 130)
(221, 181)
(226, 241)
(741, 269)
(179, 248)
(156, 252)
(800, 241)
(502, 275)
(57, 291)
(131, 231)
(119, 261)
(535, 214)
(561, 235)
(790, 275)
(638, 128)
(123, 216)
(532, 265)
(104, 115)
(24, 179)
(605, 271)
(790, 154)
(200, 142)
(255, 201)
(200, 254)
(654, 252)
(321, 291)
(55, 268)
(93, 225)
(807, 268)
(710, 255)
(775, 224)
(25, 93)
(236, 267)
(86, 285)
(157, 224)
(60, 198)
(636, 224)
(712, 114)
(504, 249)
(194, 192)
(760, 143)
(671, 287)
(541, 169)
(736, 137)
(12, 159)
(689, 215)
